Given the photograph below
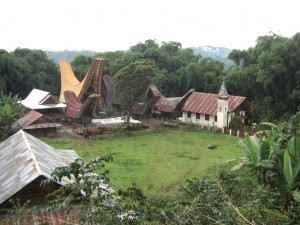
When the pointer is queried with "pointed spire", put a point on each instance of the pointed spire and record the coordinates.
(223, 89)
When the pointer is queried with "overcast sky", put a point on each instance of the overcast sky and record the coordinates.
(112, 25)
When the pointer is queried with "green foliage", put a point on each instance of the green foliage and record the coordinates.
(89, 192)
(80, 66)
(236, 123)
(18, 214)
(131, 83)
(25, 69)
(10, 111)
(268, 74)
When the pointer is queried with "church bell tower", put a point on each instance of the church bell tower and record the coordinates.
(222, 114)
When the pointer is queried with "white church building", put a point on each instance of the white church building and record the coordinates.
(214, 109)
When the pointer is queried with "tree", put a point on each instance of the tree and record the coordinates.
(80, 65)
(10, 111)
(132, 82)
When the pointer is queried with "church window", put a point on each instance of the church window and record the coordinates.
(198, 116)
(206, 117)
(189, 114)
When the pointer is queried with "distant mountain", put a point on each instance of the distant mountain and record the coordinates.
(216, 53)
(67, 55)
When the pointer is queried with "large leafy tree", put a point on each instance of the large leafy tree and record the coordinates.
(132, 82)
(25, 69)
(269, 70)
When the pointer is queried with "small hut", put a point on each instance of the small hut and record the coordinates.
(44, 103)
(171, 108)
(37, 125)
(25, 161)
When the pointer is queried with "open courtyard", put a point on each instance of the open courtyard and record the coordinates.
(157, 161)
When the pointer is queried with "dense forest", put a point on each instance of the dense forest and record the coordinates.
(267, 74)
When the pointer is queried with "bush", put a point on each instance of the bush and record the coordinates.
(236, 123)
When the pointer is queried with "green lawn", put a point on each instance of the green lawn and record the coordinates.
(156, 161)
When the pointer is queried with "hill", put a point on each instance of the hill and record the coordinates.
(216, 53)
(67, 55)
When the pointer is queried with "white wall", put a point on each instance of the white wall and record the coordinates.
(211, 120)
(200, 121)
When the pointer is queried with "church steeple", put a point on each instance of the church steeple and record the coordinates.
(222, 111)
(223, 90)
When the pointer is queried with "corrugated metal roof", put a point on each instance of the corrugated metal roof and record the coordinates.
(38, 99)
(170, 104)
(207, 103)
(28, 118)
(167, 104)
(31, 121)
(23, 158)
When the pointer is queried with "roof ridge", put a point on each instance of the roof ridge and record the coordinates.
(33, 157)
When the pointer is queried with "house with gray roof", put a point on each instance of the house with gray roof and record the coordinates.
(25, 162)
(45, 103)
(37, 125)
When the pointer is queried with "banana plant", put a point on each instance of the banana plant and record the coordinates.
(291, 163)
(258, 154)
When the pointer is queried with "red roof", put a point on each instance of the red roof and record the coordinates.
(28, 118)
(73, 104)
(206, 103)
(33, 120)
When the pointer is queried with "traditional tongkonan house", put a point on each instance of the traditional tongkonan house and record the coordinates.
(145, 109)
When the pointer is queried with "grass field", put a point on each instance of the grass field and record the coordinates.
(156, 161)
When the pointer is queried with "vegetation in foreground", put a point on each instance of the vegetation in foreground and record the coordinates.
(261, 189)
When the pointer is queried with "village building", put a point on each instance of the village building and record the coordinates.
(81, 112)
(145, 109)
(44, 103)
(90, 84)
(171, 108)
(37, 125)
(216, 110)
(26, 161)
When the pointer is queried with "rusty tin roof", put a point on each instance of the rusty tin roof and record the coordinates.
(23, 158)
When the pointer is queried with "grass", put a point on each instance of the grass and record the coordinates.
(158, 161)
